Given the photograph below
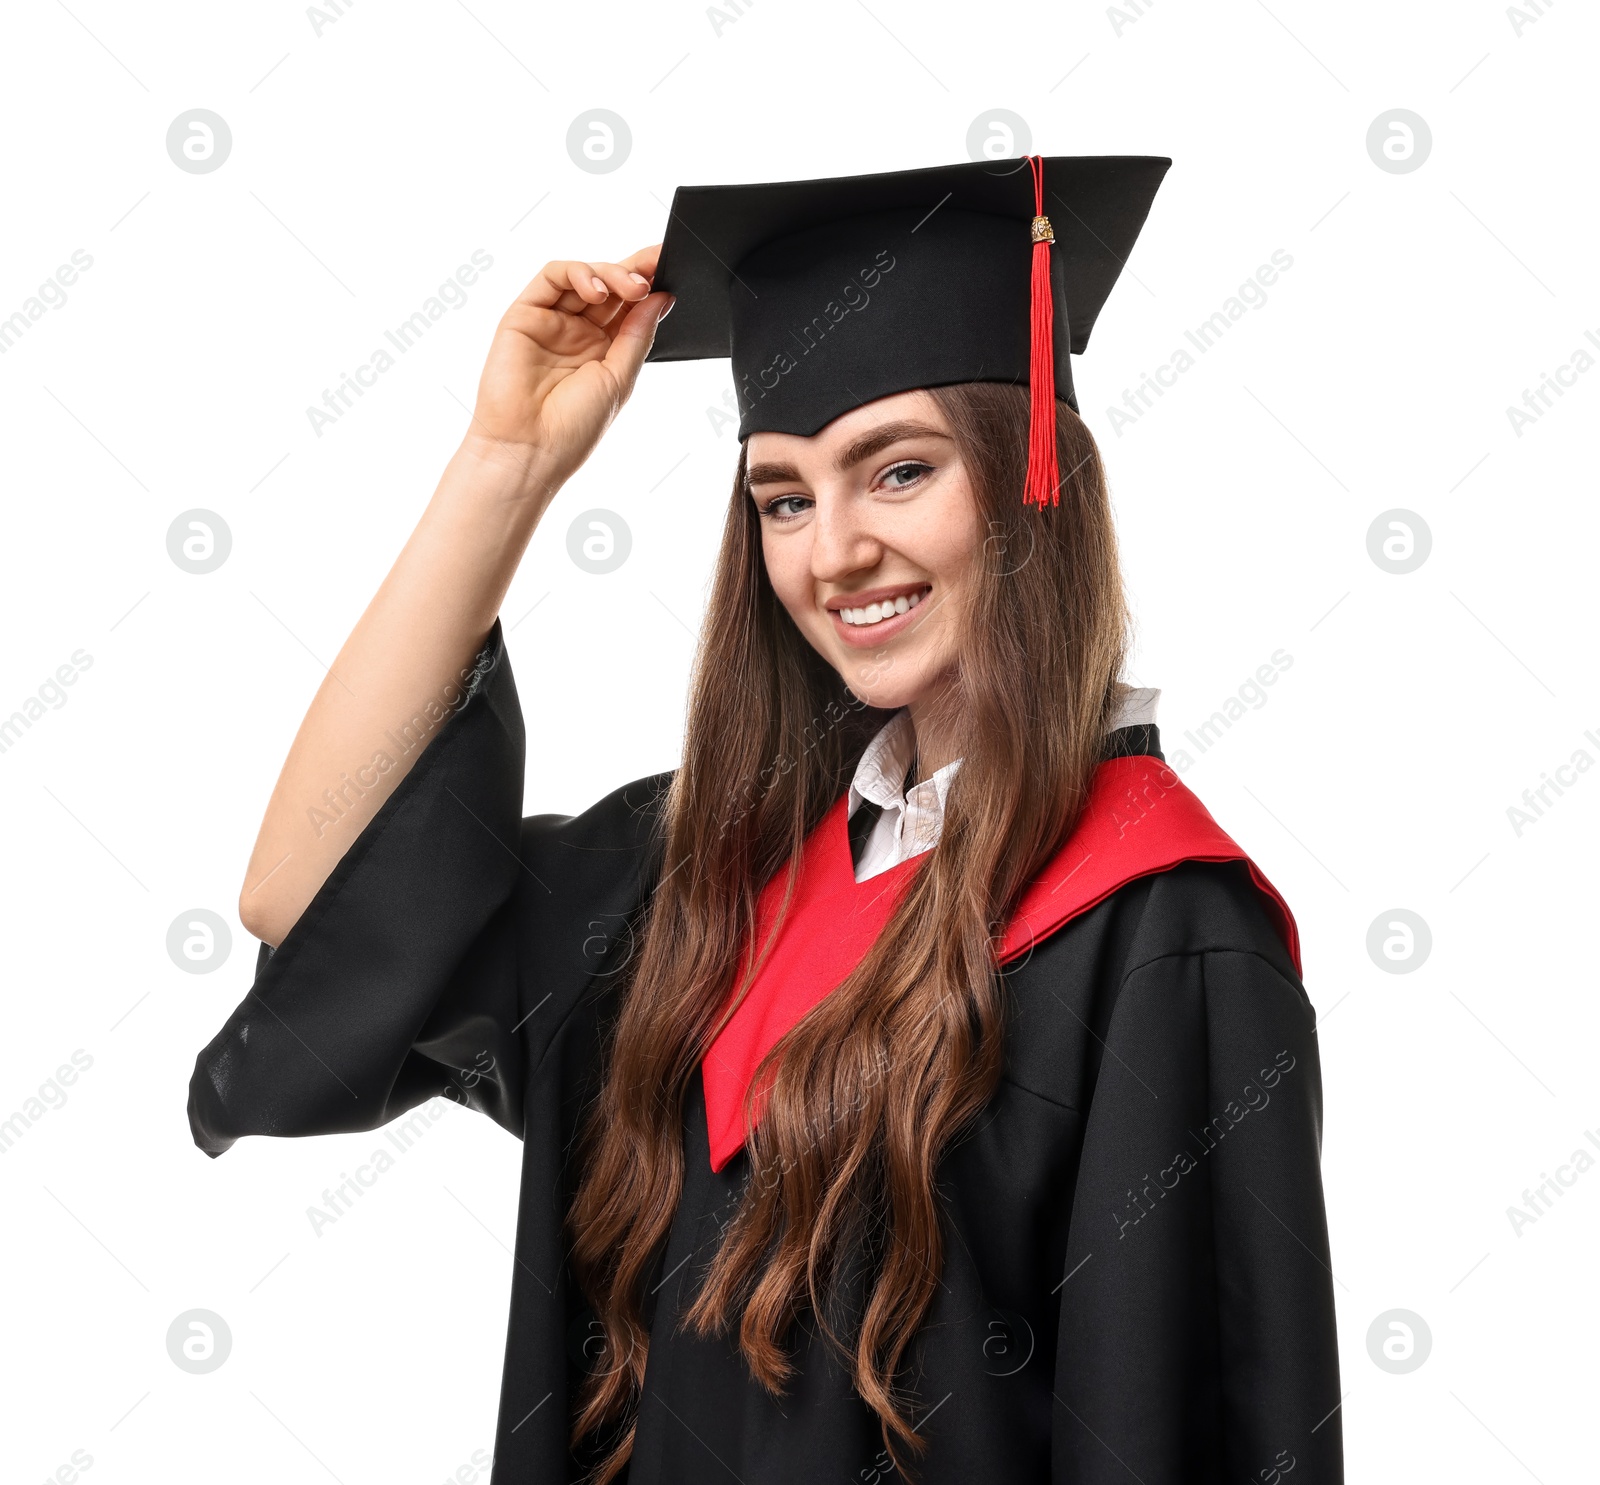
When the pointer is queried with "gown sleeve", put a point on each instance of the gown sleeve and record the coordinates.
(1197, 1338)
(399, 980)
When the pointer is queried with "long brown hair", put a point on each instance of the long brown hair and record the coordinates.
(865, 1093)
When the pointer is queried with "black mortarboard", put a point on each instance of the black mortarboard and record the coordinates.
(831, 293)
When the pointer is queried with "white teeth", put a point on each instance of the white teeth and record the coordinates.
(876, 613)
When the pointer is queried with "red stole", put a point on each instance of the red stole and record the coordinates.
(1139, 820)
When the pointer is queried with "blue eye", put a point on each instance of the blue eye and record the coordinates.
(911, 467)
(772, 511)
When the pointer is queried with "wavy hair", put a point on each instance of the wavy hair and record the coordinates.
(867, 1091)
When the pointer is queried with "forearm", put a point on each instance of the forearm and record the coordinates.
(398, 676)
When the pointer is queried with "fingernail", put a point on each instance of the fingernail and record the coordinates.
(600, 284)
(667, 311)
(638, 278)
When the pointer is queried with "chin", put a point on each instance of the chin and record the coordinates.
(879, 686)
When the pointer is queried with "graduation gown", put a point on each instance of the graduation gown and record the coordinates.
(1136, 1279)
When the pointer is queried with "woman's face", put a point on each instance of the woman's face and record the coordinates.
(870, 531)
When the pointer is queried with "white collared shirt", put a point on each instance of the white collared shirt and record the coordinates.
(911, 820)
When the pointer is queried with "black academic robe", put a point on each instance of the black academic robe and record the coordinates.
(1136, 1282)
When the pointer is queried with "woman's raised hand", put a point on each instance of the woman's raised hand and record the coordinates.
(564, 359)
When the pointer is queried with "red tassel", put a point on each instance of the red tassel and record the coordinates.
(1043, 483)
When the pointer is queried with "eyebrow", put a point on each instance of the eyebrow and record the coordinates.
(873, 442)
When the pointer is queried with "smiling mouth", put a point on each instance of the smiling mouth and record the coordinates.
(868, 615)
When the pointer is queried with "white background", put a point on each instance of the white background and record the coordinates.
(368, 162)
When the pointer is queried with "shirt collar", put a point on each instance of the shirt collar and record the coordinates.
(1137, 707)
(881, 773)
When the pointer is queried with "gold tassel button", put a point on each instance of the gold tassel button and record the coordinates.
(1042, 231)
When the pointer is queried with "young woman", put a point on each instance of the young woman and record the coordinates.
(916, 1080)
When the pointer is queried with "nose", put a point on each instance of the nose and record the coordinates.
(842, 542)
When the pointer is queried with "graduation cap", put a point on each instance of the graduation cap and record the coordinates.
(828, 294)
